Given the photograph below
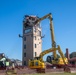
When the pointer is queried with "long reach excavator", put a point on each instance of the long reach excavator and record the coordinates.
(37, 62)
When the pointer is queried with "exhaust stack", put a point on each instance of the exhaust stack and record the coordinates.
(67, 53)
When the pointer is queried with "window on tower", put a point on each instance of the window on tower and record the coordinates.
(35, 37)
(24, 54)
(35, 54)
(40, 33)
(24, 46)
(28, 30)
(35, 45)
(25, 63)
(24, 38)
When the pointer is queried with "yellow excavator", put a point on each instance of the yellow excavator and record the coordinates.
(37, 62)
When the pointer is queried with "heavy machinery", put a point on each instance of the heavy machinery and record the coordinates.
(37, 62)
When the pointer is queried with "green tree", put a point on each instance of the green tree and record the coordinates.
(73, 54)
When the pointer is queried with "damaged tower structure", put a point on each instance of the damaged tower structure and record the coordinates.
(32, 42)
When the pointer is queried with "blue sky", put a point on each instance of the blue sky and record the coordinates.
(11, 17)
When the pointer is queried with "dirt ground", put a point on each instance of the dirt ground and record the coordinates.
(28, 71)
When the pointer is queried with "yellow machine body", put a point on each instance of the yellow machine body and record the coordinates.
(60, 61)
(36, 64)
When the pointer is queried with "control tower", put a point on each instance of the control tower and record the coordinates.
(32, 42)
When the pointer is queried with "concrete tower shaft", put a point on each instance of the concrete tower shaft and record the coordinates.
(32, 42)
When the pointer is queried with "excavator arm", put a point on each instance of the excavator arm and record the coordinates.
(52, 50)
(49, 16)
(62, 55)
(46, 52)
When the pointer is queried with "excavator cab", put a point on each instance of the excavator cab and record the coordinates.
(58, 61)
(36, 63)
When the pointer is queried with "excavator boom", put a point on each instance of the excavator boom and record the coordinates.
(49, 16)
